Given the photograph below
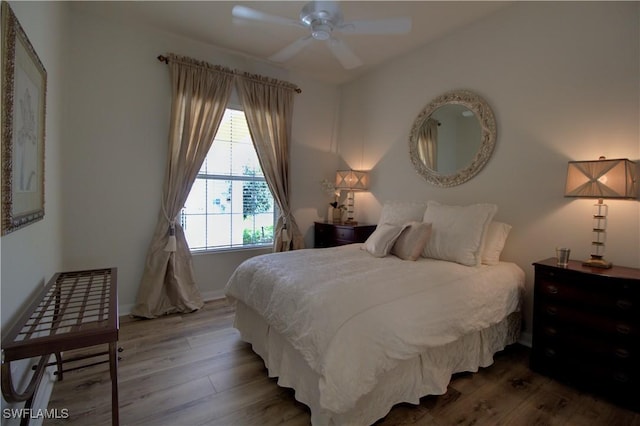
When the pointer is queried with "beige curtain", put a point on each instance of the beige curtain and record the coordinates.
(428, 144)
(268, 106)
(200, 93)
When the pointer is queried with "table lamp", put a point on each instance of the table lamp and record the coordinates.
(351, 180)
(601, 179)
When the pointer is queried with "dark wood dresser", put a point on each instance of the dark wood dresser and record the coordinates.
(586, 328)
(336, 234)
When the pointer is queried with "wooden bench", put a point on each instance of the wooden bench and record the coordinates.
(74, 310)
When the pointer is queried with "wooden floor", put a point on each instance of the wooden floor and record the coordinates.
(194, 370)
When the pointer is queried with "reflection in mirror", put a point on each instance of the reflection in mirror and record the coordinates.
(452, 138)
(458, 138)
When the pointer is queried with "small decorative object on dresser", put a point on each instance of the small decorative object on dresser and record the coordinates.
(586, 328)
(336, 234)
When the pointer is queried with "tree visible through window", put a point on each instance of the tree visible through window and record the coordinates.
(230, 204)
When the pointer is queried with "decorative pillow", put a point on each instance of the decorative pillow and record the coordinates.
(380, 242)
(412, 240)
(497, 234)
(457, 232)
(401, 212)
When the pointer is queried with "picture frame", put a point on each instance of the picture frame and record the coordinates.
(24, 89)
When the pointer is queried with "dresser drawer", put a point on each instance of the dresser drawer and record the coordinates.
(580, 320)
(344, 234)
(617, 381)
(579, 343)
(615, 298)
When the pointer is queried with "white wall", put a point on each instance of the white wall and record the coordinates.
(31, 255)
(114, 155)
(563, 81)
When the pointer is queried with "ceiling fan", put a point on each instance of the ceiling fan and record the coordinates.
(323, 18)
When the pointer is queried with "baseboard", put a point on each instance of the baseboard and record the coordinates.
(208, 296)
(526, 339)
(126, 308)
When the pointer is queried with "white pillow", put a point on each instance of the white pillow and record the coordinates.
(411, 242)
(379, 243)
(401, 212)
(457, 231)
(497, 234)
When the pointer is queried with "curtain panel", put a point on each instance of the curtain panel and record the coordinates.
(199, 97)
(268, 106)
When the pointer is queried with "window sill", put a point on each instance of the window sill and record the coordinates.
(231, 249)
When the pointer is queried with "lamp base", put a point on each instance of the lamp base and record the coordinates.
(597, 262)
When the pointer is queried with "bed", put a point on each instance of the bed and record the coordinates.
(357, 329)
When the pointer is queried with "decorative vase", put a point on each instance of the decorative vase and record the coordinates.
(337, 215)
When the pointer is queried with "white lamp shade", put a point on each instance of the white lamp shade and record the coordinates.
(602, 179)
(352, 180)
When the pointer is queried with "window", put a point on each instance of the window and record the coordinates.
(230, 205)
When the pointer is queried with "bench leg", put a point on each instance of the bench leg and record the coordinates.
(113, 369)
(59, 363)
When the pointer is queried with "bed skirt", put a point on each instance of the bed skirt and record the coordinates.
(427, 374)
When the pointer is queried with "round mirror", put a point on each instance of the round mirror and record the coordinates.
(452, 138)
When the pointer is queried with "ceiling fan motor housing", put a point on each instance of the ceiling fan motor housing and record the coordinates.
(321, 17)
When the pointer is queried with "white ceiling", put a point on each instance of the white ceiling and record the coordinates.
(211, 22)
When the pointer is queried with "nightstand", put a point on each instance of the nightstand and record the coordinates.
(337, 234)
(586, 328)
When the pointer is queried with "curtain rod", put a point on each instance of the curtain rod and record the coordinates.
(165, 59)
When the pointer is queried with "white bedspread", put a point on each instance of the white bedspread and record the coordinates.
(353, 316)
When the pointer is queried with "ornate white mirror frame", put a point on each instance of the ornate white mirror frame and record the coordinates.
(418, 146)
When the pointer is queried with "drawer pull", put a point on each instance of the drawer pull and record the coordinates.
(550, 353)
(624, 304)
(550, 331)
(623, 328)
(551, 310)
(552, 289)
(622, 353)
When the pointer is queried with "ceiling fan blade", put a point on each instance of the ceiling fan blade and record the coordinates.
(344, 54)
(244, 12)
(291, 50)
(381, 26)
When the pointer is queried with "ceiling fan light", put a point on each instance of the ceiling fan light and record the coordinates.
(320, 31)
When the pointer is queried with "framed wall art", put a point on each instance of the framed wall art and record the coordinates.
(24, 87)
